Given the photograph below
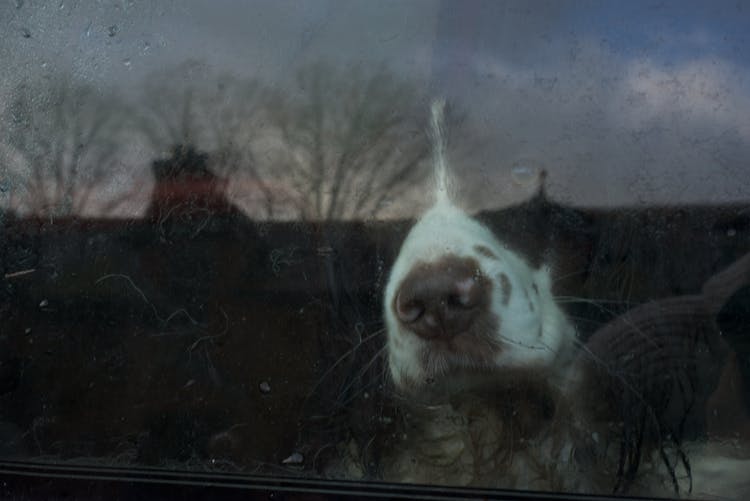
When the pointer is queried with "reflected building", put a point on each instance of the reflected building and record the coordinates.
(186, 191)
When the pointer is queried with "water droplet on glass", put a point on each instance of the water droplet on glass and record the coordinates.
(731, 232)
(523, 174)
(112, 30)
(295, 458)
(25, 32)
(265, 387)
(126, 62)
(4, 187)
(19, 4)
(27, 331)
(43, 303)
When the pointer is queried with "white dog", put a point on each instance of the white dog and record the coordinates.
(498, 390)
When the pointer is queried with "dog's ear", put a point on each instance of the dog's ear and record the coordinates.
(653, 369)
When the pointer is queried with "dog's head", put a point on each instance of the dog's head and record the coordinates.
(459, 302)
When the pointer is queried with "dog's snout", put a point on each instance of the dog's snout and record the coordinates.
(441, 299)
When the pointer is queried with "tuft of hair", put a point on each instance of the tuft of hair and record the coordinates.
(439, 148)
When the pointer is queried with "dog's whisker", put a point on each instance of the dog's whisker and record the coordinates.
(595, 302)
(340, 360)
(364, 370)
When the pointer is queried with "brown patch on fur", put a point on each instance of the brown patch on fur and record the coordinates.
(486, 252)
(505, 287)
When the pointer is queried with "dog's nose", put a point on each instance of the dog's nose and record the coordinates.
(442, 299)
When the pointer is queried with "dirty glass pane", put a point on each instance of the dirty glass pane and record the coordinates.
(248, 237)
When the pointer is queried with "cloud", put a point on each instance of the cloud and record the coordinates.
(703, 91)
(611, 129)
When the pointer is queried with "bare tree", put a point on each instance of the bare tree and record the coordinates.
(167, 116)
(10, 182)
(64, 139)
(351, 138)
(337, 144)
(221, 114)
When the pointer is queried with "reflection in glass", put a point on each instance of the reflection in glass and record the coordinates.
(215, 254)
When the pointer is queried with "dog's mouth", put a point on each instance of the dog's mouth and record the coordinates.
(448, 366)
(463, 351)
(457, 381)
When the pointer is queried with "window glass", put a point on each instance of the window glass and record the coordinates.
(249, 237)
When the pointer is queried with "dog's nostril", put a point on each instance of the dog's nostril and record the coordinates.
(408, 311)
(455, 301)
(441, 299)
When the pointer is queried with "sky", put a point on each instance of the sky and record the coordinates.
(621, 103)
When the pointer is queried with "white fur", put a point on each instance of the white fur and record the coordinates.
(446, 230)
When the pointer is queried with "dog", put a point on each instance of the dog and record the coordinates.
(499, 391)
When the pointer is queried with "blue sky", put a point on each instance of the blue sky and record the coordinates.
(537, 32)
(672, 31)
